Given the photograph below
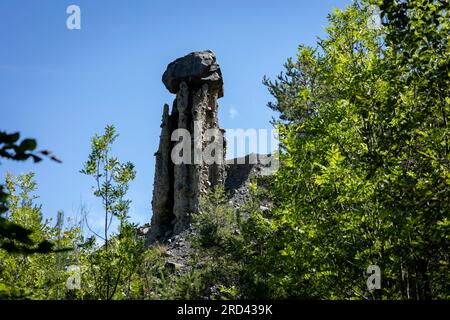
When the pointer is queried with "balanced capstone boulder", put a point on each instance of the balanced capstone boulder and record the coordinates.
(196, 68)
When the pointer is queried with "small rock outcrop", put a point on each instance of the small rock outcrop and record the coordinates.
(196, 79)
(240, 171)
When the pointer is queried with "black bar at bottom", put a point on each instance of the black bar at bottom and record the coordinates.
(244, 309)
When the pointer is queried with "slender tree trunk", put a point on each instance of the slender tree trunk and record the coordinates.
(106, 221)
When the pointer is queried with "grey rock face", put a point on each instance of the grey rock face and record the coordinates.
(196, 69)
(240, 171)
(197, 81)
(162, 201)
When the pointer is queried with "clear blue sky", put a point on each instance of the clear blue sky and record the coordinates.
(62, 86)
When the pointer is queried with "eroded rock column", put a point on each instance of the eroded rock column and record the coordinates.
(196, 79)
(162, 201)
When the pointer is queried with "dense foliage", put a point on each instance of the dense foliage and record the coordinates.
(27, 275)
(14, 237)
(365, 175)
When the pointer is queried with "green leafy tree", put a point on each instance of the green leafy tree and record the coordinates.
(38, 275)
(364, 175)
(113, 266)
(216, 221)
(13, 237)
